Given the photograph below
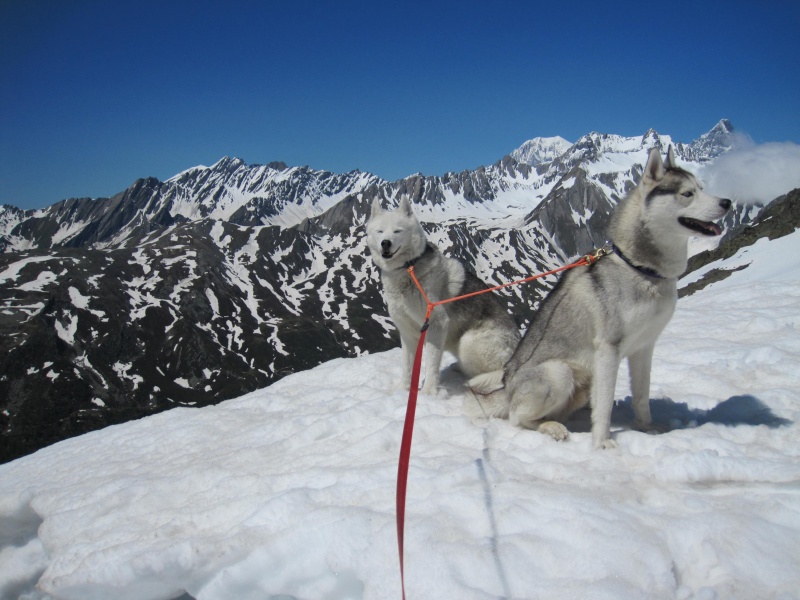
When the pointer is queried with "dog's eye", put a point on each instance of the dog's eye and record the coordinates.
(687, 194)
(398, 231)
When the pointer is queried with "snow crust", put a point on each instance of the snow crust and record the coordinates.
(289, 492)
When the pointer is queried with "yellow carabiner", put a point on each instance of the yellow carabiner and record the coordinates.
(602, 251)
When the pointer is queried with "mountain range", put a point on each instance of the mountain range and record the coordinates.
(223, 279)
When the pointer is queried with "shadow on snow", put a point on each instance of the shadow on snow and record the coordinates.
(669, 415)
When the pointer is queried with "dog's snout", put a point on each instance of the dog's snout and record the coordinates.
(386, 244)
(725, 204)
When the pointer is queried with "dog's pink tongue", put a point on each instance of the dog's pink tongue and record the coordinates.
(716, 228)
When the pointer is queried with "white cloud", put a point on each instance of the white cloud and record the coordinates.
(754, 172)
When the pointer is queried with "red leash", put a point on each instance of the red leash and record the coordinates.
(411, 408)
(405, 449)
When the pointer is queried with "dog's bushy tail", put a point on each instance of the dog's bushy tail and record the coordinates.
(490, 393)
(486, 383)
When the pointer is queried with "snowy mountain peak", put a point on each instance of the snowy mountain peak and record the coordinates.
(10, 217)
(710, 145)
(271, 194)
(227, 163)
(541, 150)
(559, 156)
(724, 126)
(651, 139)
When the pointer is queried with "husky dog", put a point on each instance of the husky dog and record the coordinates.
(616, 308)
(478, 330)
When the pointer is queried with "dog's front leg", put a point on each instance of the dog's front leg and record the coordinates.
(639, 365)
(604, 380)
(409, 349)
(434, 350)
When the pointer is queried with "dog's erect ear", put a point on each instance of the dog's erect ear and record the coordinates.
(671, 162)
(654, 169)
(376, 207)
(405, 207)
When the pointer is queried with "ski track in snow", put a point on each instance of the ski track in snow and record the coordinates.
(288, 492)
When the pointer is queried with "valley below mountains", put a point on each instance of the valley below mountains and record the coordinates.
(224, 279)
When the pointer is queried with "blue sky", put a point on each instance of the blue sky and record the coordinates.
(96, 94)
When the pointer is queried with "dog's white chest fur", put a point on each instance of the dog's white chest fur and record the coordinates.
(645, 320)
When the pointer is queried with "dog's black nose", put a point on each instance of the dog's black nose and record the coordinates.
(386, 244)
(725, 203)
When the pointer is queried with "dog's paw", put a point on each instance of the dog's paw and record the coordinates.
(606, 444)
(644, 426)
(651, 428)
(554, 429)
(430, 390)
(440, 393)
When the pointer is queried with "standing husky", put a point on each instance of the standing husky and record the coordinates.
(616, 308)
(478, 330)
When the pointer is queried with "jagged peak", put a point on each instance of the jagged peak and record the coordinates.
(227, 163)
(724, 125)
(9, 209)
(718, 140)
(650, 134)
(540, 150)
(721, 129)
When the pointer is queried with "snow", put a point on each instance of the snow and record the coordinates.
(212, 300)
(230, 185)
(767, 260)
(82, 302)
(541, 149)
(67, 332)
(12, 270)
(288, 492)
(121, 369)
(568, 183)
(42, 281)
(217, 234)
(66, 231)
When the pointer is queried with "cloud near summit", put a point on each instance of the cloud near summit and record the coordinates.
(754, 172)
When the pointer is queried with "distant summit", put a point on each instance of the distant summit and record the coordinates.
(590, 147)
(541, 150)
(710, 145)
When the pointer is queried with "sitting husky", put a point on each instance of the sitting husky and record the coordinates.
(616, 308)
(477, 330)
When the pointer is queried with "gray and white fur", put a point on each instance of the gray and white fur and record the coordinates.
(614, 309)
(478, 330)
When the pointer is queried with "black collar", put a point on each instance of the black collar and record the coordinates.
(643, 270)
(428, 248)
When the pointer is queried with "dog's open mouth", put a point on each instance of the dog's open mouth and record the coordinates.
(386, 254)
(702, 227)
